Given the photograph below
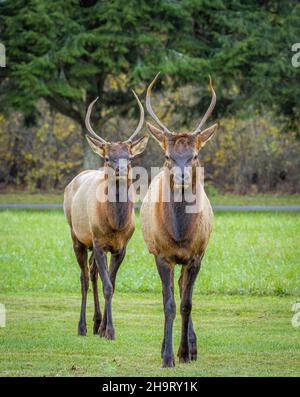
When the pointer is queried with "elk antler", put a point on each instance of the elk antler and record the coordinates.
(141, 122)
(209, 110)
(149, 107)
(88, 125)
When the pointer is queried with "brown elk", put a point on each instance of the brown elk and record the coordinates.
(172, 234)
(102, 225)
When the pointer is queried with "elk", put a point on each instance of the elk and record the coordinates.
(172, 234)
(99, 225)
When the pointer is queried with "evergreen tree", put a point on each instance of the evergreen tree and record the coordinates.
(69, 52)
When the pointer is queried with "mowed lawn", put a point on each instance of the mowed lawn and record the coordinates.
(242, 302)
(249, 253)
(237, 336)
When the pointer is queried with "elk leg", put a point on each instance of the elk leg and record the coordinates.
(188, 279)
(94, 280)
(164, 341)
(101, 262)
(81, 255)
(115, 262)
(166, 272)
(192, 338)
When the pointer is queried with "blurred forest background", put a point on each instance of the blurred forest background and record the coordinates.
(60, 55)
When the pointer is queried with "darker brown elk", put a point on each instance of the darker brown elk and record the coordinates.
(173, 232)
(101, 222)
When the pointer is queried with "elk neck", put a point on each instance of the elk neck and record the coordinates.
(179, 223)
(119, 211)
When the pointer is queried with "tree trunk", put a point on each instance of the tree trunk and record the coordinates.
(91, 160)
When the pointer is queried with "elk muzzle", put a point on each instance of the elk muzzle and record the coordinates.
(182, 177)
(121, 169)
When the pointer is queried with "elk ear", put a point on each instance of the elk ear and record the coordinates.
(139, 146)
(157, 134)
(97, 147)
(206, 135)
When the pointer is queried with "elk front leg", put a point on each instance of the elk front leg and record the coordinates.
(115, 262)
(101, 262)
(166, 272)
(81, 256)
(188, 348)
(192, 338)
(94, 279)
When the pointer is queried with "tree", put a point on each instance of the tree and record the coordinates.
(69, 52)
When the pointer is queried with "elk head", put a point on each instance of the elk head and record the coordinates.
(181, 149)
(117, 155)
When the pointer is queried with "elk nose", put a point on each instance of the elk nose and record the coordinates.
(182, 178)
(186, 178)
(121, 167)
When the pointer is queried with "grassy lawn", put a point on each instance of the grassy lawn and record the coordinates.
(242, 330)
(258, 199)
(237, 336)
(249, 253)
(31, 198)
(216, 199)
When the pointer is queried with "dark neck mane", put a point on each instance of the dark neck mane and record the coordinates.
(179, 223)
(120, 212)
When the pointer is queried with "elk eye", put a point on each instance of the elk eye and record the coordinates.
(106, 158)
(195, 157)
(167, 157)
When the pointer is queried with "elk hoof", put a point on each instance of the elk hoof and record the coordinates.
(82, 330)
(110, 334)
(168, 362)
(102, 328)
(183, 356)
(96, 327)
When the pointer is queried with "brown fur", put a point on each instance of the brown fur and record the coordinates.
(93, 220)
(158, 218)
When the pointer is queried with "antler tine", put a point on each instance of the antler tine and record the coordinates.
(142, 117)
(209, 110)
(88, 125)
(149, 107)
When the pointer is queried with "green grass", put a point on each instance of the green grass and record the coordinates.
(257, 199)
(216, 199)
(249, 253)
(31, 198)
(237, 336)
(244, 334)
